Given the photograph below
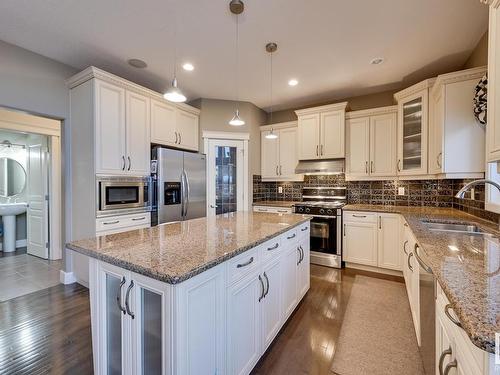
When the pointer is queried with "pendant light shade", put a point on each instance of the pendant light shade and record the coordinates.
(236, 120)
(174, 94)
(271, 135)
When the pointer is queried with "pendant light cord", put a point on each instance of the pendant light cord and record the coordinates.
(175, 42)
(237, 61)
(271, 87)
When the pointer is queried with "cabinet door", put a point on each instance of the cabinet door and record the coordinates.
(309, 136)
(289, 280)
(244, 301)
(288, 153)
(383, 145)
(269, 156)
(187, 128)
(138, 134)
(358, 147)
(150, 326)
(412, 133)
(110, 128)
(443, 342)
(271, 314)
(389, 244)
(163, 123)
(360, 242)
(114, 328)
(436, 128)
(332, 135)
(304, 269)
(493, 128)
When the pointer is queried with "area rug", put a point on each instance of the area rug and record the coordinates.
(377, 335)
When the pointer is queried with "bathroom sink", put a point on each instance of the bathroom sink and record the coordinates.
(467, 228)
(8, 209)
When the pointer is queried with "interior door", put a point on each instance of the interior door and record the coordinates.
(138, 136)
(38, 190)
(195, 177)
(225, 176)
(358, 146)
(383, 150)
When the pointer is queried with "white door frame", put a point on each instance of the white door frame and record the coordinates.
(23, 122)
(213, 135)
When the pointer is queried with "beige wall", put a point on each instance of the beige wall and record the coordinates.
(215, 115)
(479, 56)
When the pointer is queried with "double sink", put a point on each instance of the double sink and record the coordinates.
(464, 228)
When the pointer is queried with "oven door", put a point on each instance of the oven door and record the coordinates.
(324, 235)
(115, 195)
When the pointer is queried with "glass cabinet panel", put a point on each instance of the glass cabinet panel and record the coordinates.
(151, 332)
(412, 134)
(113, 326)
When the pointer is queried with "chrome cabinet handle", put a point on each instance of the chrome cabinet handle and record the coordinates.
(344, 231)
(180, 138)
(399, 165)
(290, 237)
(176, 138)
(317, 150)
(280, 171)
(444, 353)
(127, 297)
(276, 170)
(262, 289)
(245, 264)
(262, 210)
(215, 206)
(359, 216)
(409, 265)
(300, 255)
(449, 366)
(321, 150)
(267, 283)
(119, 296)
(447, 313)
(380, 222)
(284, 211)
(366, 167)
(404, 247)
(304, 229)
(129, 163)
(420, 261)
(273, 247)
(139, 218)
(123, 160)
(371, 167)
(438, 159)
(111, 222)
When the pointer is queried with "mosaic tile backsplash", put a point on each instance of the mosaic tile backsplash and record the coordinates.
(435, 193)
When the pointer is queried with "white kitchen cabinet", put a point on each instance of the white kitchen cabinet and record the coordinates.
(138, 133)
(360, 238)
(321, 132)
(188, 129)
(493, 126)
(371, 143)
(122, 223)
(274, 210)
(389, 243)
(456, 139)
(413, 127)
(279, 156)
(163, 120)
(303, 265)
(271, 316)
(289, 280)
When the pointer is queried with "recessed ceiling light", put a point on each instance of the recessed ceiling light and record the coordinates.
(136, 63)
(377, 61)
(293, 82)
(188, 66)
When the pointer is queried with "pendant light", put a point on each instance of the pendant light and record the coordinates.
(237, 7)
(174, 94)
(270, 48)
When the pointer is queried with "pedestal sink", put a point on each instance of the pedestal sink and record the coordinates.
(8, 211)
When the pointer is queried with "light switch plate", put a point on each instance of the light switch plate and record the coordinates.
(280, 189)
(401, 191)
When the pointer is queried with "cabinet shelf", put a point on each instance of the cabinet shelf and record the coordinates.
(413, 136)
(412, 157)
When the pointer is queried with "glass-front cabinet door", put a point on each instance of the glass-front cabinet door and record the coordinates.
(412, 134)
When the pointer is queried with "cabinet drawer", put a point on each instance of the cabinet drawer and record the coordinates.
(275, 210)
(122, 221)
(361, 217)
(243, 264)
(289, 238)
(270, 249)
(304, 230)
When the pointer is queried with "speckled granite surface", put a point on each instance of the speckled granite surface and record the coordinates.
(286, 204)
(469, 272)
(178, 251)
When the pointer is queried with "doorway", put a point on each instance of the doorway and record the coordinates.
(227, 172)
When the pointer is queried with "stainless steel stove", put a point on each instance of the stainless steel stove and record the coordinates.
(325, 205)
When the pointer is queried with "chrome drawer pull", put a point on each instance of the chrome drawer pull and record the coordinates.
(449, 366)
(360, 216)
(300, 255)
(262, 289)
(127, 296)
(245, 264)
(404, 247)
(267, 282)
(441, 359)
(139, 218)
(111, 222)
(420, 261)
(447, 312)
(304, 229)
(290, 237)
(119, 296)
(285, 211)
(409, 265)
(273, 247)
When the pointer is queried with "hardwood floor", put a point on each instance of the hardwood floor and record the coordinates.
(46, 332)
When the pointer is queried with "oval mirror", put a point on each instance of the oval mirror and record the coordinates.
(12, 177)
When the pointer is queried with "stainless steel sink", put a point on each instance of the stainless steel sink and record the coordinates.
(466, 228)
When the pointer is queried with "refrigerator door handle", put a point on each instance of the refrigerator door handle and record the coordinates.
(188, 191)
(183, 195)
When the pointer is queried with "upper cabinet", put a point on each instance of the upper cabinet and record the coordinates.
(456, 139)
(413, 126)
(493, 125)
(371, 143)
(279, 155)
(321, 132)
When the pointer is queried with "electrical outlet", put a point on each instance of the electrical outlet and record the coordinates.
(401, 191)
(280, 189)
(472, 194)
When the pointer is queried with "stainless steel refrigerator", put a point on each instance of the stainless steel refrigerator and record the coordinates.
(179, 180)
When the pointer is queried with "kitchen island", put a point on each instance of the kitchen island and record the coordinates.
(204, 296)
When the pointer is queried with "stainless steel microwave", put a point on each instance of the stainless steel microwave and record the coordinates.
(120, 195)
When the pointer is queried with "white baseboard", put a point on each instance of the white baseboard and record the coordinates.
(19, 243)
(363, 267)
(66, 277)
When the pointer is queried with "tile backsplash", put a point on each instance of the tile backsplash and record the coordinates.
(435, 193)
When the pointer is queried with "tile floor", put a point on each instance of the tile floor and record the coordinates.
(22, 274)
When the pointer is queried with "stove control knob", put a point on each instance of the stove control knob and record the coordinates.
(300, 209)
(329, 212)
(321, 211)
(308, 209)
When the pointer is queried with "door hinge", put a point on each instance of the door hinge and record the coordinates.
(47, 197)
(47, 245)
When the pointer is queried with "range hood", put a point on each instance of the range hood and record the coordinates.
(331, 166)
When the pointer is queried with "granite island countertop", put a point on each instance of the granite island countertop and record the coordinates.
(177, 251)
(467, 267)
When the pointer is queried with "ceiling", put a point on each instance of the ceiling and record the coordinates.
(326, 44)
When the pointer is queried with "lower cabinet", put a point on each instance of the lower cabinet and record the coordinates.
(411, 275)
(274, 210)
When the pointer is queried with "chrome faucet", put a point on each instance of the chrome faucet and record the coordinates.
(463, 190)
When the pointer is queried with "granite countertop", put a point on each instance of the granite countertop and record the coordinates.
(287, 204)
(466, 266)
(175, 252)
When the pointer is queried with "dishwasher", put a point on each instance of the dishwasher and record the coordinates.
(427, 307)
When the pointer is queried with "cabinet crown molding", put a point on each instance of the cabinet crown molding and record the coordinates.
(423, 85)
(95, 73)
(323, 108)
(279, 125)
(371, 112)
(462, 75)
